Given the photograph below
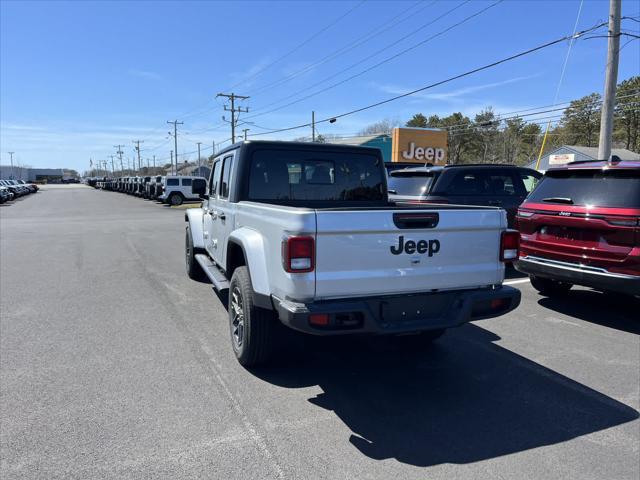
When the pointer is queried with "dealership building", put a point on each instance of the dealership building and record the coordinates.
(51, 175)
(419, 145)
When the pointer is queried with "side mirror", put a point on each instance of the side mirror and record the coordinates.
(204, 196)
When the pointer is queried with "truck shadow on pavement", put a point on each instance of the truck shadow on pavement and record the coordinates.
(606, 309)
(464, 400)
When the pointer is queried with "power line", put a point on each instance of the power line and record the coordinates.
(441, 82)
(299, 46)
(372, 67)
(475, 125)
(360, 41)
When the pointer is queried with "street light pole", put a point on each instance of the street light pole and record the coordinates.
(199, 143)
(11, 155)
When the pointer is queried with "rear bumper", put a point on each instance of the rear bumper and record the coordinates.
(399, 314)
(579, 275)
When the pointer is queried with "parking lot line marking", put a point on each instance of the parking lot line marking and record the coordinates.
(515, 282)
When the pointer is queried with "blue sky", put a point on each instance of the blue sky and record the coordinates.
(77, 77)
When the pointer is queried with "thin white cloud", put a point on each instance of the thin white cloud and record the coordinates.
(250, 72)
(452, 96)
(146, 74)
(20, 127)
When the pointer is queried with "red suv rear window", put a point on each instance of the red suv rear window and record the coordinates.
(601, 188)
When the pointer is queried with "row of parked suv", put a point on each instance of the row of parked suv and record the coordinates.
(579, 224)
(174, 190)
(12, 189)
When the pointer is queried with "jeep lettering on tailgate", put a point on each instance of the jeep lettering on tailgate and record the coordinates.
(422, 246)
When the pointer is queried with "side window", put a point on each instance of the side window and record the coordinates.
(172, 182)
(226, 175)
(186, 182)
(529, 181)
(467, 183)
(501, 184)
(215, 177)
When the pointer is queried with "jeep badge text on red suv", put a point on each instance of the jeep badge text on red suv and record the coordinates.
(581, 225)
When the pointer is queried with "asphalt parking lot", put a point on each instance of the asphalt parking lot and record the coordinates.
(115, 365)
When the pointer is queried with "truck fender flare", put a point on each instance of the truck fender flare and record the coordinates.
(252, 244)
(193, 217)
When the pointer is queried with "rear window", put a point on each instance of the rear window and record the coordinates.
(411, 184)
(611, 188)
(291, 176)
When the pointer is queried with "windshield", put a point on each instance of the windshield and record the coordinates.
(311, 175)
(610, 188)
(410, 185)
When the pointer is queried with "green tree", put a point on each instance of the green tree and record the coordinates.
(461, 136)
(626, 131)
(487, 136)
(581, 121)
(418, 120)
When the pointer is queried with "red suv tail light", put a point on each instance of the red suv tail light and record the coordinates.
(298, 254)
(509, 245)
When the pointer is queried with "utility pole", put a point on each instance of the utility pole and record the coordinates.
(113, 171)
(244, 131)
(175, 139)
(232, 96)
(199, 143)
(313, 126)
(11, 155)
(611, 78)
(119, 152)
(176, 167)
(154, 161)
(138, 142)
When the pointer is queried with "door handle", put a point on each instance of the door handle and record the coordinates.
(222, 216)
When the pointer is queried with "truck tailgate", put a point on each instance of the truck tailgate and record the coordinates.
(387, 251)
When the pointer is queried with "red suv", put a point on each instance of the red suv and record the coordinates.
(581, 225)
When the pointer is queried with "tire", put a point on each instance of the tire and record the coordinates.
(194, 270)
(550, 288)
(175, 199)
(252, 329)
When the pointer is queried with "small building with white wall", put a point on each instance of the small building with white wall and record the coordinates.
(575, 153)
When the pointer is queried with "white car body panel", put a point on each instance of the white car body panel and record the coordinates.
(353, 256)
(186, 191)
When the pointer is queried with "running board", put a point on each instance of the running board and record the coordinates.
(218, 279)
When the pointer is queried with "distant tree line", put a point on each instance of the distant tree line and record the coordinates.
(489, 138)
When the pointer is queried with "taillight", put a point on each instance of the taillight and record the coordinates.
(525, 213)
(298, 254)
(509, 245)
(623, 222)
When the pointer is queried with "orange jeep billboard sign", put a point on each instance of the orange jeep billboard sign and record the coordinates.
(420, 145)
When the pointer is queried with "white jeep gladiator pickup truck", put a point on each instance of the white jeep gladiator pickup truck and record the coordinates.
(304, 234)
